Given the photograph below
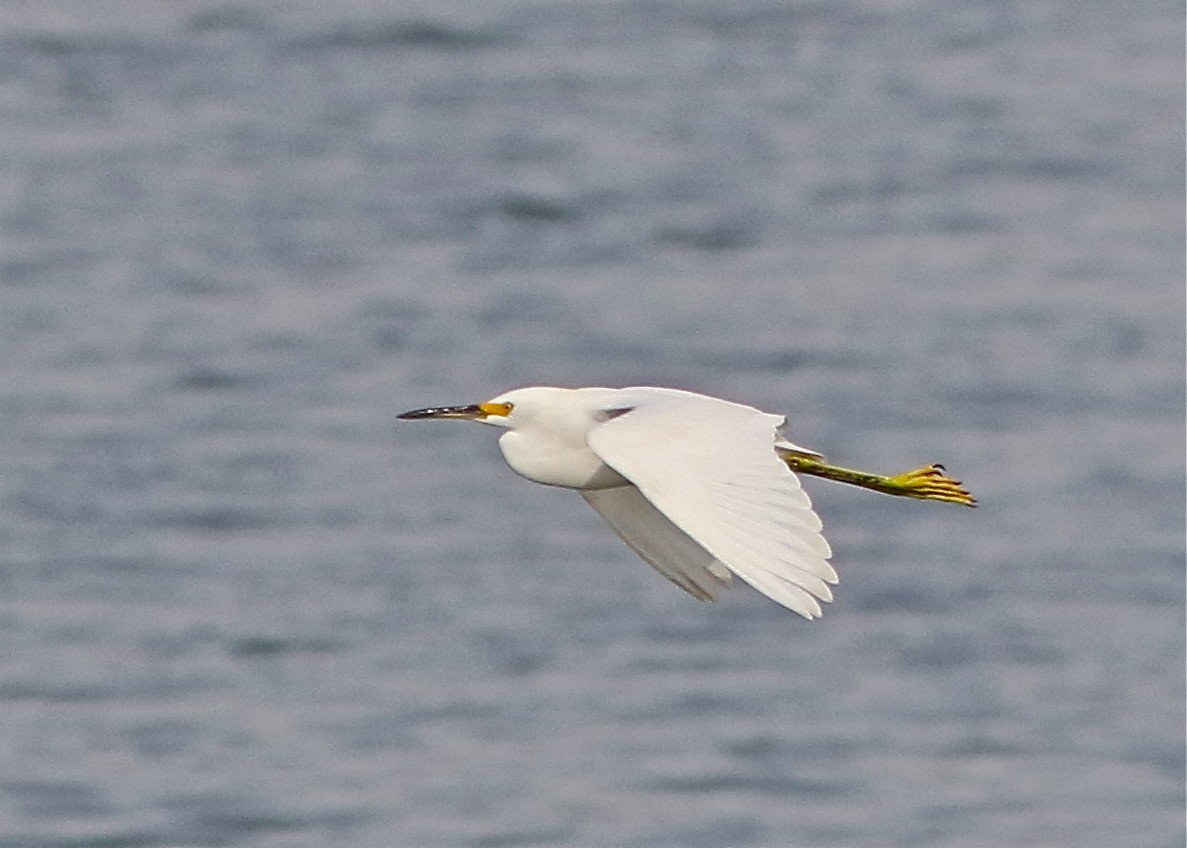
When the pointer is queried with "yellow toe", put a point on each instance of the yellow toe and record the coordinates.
(932, 484)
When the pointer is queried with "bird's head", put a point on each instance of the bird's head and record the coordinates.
(545, 433)
(532, 407)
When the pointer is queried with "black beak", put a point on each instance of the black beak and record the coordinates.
(470, 413)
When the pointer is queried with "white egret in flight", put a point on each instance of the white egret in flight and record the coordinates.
(701, 488)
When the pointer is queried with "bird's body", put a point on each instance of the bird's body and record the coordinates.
(700, 487)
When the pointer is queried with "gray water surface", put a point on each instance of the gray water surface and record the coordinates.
(242, 605)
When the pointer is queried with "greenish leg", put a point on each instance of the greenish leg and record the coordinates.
(928, 483)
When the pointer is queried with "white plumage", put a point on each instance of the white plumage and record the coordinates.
(699, 487)
(710, 470)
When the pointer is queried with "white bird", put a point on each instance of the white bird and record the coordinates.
(701, 488)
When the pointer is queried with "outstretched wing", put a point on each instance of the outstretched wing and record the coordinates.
(667, 548)
(710, 468)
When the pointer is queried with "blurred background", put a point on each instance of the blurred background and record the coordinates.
(240, 604)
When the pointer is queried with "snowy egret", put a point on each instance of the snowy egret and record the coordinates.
(699, 487)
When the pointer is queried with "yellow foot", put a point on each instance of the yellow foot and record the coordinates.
(930, 483)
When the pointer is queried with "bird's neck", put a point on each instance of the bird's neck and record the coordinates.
(557, 462)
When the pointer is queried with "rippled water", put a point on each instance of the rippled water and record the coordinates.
(241, 605)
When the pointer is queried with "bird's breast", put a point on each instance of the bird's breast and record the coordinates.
(557, 463)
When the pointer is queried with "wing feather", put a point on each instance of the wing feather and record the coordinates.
(710, 468)
(662, 544)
